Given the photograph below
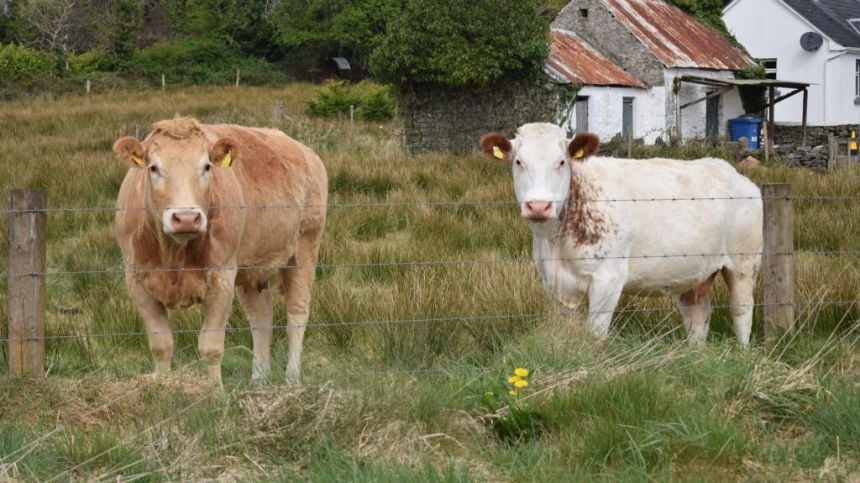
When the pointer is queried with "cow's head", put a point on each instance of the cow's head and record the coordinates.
(180, 164)
(541, 158)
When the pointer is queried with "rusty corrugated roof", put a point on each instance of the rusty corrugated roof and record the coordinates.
(676, 38)
(571, 59)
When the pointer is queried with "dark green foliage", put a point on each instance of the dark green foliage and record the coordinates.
(333, 99)
(710, 12)
(371, 102)
(753, 98)
(199, 60)
(378, 106)
(328, 28)
(462, 43)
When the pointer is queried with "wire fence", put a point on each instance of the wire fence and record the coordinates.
(435, 320)
(431, 203)
(119, 269)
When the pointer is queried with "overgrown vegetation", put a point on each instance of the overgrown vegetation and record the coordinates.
(462, 43)
(403, 400)
(370, 102)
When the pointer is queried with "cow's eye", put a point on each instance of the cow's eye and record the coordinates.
(207, 168)
(519, 163)
(561, 164)
(153, 169)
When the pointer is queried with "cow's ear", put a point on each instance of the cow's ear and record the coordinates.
(583, 146)
(223, 152)
(130, 151)
(496, 146)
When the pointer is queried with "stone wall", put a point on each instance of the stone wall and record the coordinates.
(815, 135)
(451, 121)
(593, 21)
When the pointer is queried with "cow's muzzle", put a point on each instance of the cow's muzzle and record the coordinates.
(539, 211)
(184, 223)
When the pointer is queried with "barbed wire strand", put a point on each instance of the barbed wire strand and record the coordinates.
(443, 203)
(431, 320)
(413, 263)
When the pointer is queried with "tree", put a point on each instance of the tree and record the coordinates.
(462, 43)
(49, 23)
(328, 28)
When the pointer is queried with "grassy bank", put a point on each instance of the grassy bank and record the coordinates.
(404, 397)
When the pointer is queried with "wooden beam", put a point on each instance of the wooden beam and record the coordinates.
(770, 116)
(790, 94)
(712, 94)
(805, 104)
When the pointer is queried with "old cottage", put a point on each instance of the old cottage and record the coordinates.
(642, 46)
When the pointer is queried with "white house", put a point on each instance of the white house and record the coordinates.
(626, 55)
(807, 41)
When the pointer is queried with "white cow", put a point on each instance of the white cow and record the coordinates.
(597, 232)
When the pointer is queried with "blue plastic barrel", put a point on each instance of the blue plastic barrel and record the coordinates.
(746, 127)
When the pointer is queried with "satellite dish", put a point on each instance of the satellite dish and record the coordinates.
(811, 41)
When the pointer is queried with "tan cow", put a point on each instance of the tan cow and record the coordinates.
(207, 209)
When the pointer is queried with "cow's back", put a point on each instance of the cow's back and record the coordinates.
(677, 220)
(284, 190)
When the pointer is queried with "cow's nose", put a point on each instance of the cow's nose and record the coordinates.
(538, 210)
(186, 221)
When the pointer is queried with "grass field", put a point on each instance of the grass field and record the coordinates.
(407, 400)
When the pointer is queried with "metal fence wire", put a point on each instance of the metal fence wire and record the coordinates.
(117, 269)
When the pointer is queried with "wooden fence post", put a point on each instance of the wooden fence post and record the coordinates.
(27, 222)
(778, 260)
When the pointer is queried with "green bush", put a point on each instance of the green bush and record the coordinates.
(378, 106)
(371, 102)
(91, 61)
(333, 99)
(17, 61)
(200, 60)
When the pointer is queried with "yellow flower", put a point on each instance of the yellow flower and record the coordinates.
(512, 393)
(521, 372)
(521, 384)
(489, 393)
(513, 379)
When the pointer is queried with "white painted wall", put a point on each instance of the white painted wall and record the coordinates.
(654, 108)
(771, 29)
(605, 106)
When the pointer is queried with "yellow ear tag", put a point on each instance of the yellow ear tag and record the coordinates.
(228, 160)
(579, 154)
(138, 160)
(497, 153)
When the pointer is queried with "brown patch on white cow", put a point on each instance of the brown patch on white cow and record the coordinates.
(580, 219)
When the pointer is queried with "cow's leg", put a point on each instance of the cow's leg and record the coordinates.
(695, 307)
(210, 343)
(154, 316)
(696, 317)
(741, 285)
(603, 294)
(256, 300)
(296, 285)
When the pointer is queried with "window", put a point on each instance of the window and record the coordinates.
(769, 68)
(583, 12)
(855, 24)
(627, 118)
(857, 79)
